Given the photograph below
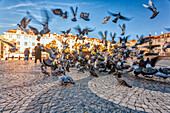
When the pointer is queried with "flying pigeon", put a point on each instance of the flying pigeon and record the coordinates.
(122, 28)
(36, 32)
(24, 24)
(123, 41)
(113, 38)
(104, 36)
(107, 18)
(85, 16)
(152, 8)
(60, 13)
(118, 16)
(168, 29)
(66, 32)
(74, 13)
(165, 46)
(45, 24)
(13, 45)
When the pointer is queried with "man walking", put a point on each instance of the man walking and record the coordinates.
(26, 53)
(37, 52)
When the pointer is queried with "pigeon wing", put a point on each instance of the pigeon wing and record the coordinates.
(113, 14)
(10, 44)
(23, 21)
(35, 31)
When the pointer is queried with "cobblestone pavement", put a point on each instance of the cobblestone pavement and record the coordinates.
(149, 95)
(25, 89)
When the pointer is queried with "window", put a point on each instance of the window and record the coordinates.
(18, 36)
(158, 40)
(26, 37)
(18, 43)
(10, 36)
(33, 44)
(25, 43)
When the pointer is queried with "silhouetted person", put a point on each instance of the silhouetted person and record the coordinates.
(26, 54)
(37, 52)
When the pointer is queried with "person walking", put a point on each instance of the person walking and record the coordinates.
(37, 52)
(26, 54)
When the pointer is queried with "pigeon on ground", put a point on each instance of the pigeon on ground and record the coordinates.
(24, 24)
(121, 80)
(44, 71)
(92, 71)
(65, 79)
(118, 16)
(152, 8)
(74, 13)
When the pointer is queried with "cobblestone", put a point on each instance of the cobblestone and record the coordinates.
(25, 89)
(145, 95)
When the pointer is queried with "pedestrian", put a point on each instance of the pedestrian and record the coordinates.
(37, 52)
(26, 54)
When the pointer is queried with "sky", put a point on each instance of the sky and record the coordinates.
(12, 12)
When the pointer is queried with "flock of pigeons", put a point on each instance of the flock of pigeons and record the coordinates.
(95, 61)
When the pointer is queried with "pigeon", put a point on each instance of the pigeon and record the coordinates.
(92, 71)
(65, 79)
(122, 28)
(168, 29)
(44, 71)
(142, 40)
(24, 24)
(87, 30)
(152, 8)
(118, 16)
(107, 18)
(123, 41)
(60, 13)
(85, 16)
(36, 32)
(104, 36)
(74, 13)
(45, 25)
(165, 46)
(121, 80)
(161, 74)
(66, 32)
(68, 66)
(13, 45)
(113, 38)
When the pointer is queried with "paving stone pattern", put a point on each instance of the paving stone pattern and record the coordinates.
(25, 89)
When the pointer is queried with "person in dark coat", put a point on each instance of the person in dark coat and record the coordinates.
(37, 52)
(26, 54)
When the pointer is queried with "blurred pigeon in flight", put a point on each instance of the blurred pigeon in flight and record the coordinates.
(118, 16)
(104, 36)
(168, 29)
(152, 8)
(166, 45)
(24, 24)
(123, 41)
(45, 25)
(107, 18)
(113, 38)
(122, 28)
(74, 13)
(36, 32)
(85, 16)
(13, 45)
(66, 32)
(60, 13)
